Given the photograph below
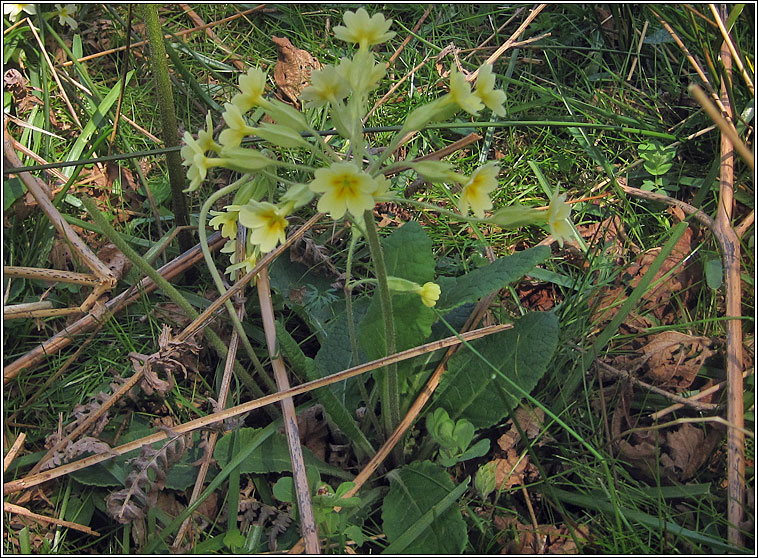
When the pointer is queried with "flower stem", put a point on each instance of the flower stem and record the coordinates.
(389, 385)
(356, 234)
(220, 284)
(168, 121)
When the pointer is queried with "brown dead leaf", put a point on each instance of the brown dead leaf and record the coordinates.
(545, 539)
(293, 70)
(663, 300)
(114, 258)
(674, 454)
(512, 470)
(674, 358)
(313, 430)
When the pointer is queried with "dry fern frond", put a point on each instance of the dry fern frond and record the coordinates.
(171, 356)
(145, 480)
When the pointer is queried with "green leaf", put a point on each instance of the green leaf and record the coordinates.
(417, 514)
(408, 254)
(714, 273)
(469, 387)
(271, 457)
(13, 189)
(484, 280)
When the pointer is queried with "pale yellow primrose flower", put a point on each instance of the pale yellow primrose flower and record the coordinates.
(238, 128)
(327, 86)
(251, 86)
(460, 91)
(65, 14)
(247, 264)
(475, 193)
(362, 73)
(14, 10)
(267, 224)
(227, 220)
(345, 188)
(492, 98)
(364, 30)
(558, 219)
(205, 137)
(193, 155)
(429, 293)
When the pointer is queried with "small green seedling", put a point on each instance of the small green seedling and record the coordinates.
(454, 438)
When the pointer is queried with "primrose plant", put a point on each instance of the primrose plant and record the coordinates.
(292, 164)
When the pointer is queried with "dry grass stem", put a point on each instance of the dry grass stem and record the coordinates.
(15, 448)
(20, 510)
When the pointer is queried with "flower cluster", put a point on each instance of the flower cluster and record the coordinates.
(348, 182)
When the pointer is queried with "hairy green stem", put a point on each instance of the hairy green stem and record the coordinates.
(389, 385)
(168, 120)
(220, 283)
(355, 235)
(167, 288)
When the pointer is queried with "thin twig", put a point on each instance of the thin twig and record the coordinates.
(730, 253)
(202, 422)
(654, 389)
(512, 39)
(66, 100)
(701, 394)
(15, 448)
(726, 126)
(66, 336)
(239, 64)
(20, 510)
(735, 57)
(223, 393)
(302, 491)
(167, 36)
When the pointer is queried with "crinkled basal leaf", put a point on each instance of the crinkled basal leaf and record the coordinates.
(469, 387)
(271, 457)
(484, 280)
(408, 254)
(414, 490)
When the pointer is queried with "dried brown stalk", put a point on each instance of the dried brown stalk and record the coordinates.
(15, 448)
(511, 40)
(302, 491)
(20, 510)
(67, 336)
(733, 51)
(34, 480)
(167, 36)
(703, 393)
(197, 20)
(730, 253)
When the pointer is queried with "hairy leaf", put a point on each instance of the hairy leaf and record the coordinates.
(484, 280)
(469, 388)
(415, 491)
(271, 457)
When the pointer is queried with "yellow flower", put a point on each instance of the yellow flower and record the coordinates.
(364, 30)
(485, 90)
(247, 264)
(345, 188)
(327, 86)
(64, 14)
(558, 219)
(475, 193)
(460, 91)
(251, 85)
(267, 224)
(14, 10)
(205, 137)
(430, 293)
(238, 128)
(362, 73)
(193, 156)
(382, 191)
(227, 220)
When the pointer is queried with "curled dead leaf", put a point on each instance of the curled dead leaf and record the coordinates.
(114, 258)
(293, 70)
